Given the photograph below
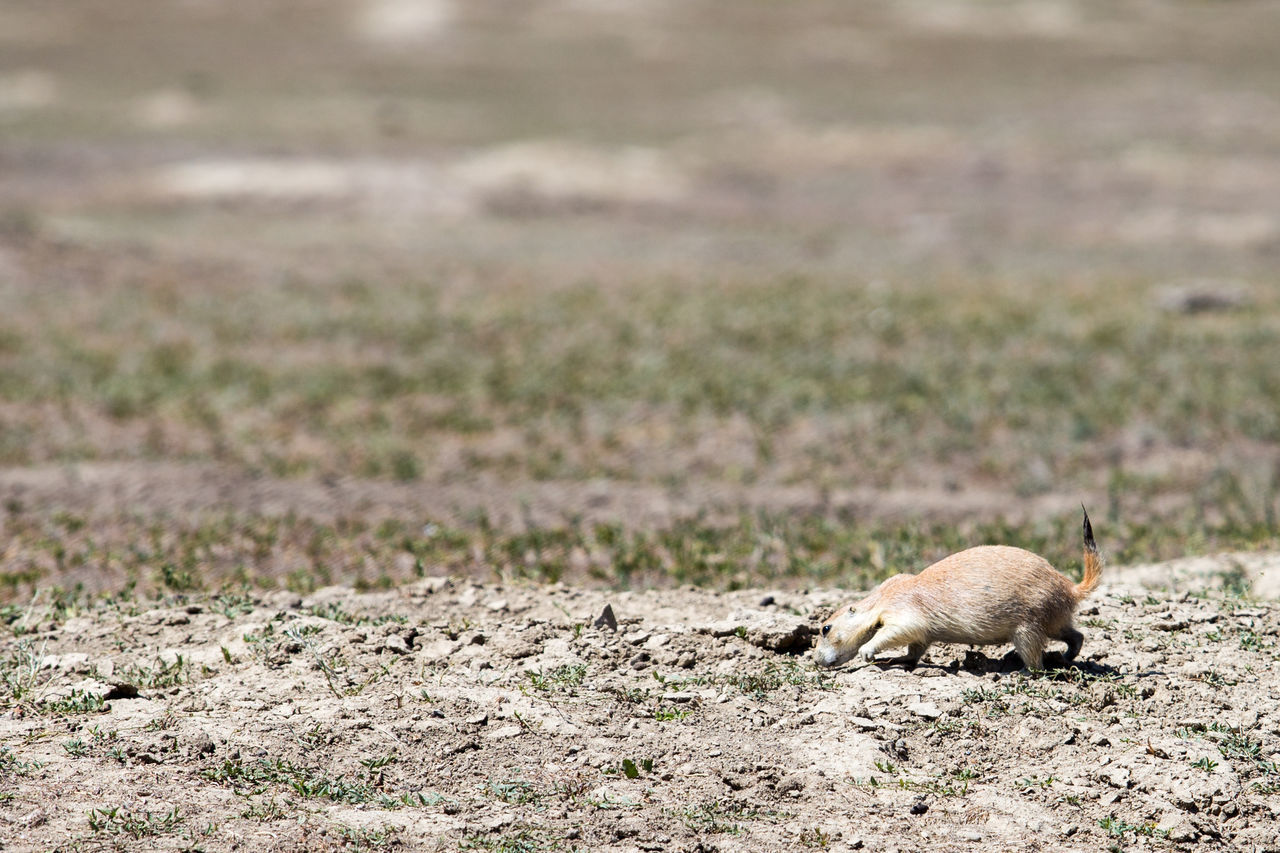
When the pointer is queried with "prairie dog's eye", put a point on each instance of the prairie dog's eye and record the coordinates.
(826, 629)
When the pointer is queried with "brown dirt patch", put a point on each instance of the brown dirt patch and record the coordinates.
(452, 715)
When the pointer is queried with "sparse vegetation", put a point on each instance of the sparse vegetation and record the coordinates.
(1048, 693)
(11, 764)
(668, 713)
(20, 673)
(137, 824)
(266, 812)
(306, 782)
(1118, 828)
(1205, 763)
(76, 702)
(566, 678)
(1034, 782)
(526, 839)
(369, 838)
(714, 818)
(756, 547)
(158, 676)
(815, 838)
(777, 674)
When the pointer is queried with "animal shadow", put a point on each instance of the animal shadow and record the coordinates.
(1055, 665)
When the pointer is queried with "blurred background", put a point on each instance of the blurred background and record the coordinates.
(630, 292)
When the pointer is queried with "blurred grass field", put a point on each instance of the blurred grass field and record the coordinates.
(764, 263)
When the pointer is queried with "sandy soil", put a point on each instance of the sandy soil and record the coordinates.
(456, 715)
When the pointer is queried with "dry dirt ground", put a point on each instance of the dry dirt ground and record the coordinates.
(456, 715)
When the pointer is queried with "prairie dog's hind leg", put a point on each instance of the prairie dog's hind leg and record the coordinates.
(1074, 640)
(915, 651)
(1029, 644)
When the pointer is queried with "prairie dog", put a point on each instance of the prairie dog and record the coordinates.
(979, 596)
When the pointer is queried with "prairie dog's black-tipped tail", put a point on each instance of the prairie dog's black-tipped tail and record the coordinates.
(1092, 561)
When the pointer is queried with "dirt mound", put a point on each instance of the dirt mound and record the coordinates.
(454, 715)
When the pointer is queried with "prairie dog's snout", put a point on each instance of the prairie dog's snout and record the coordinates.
(980, 596)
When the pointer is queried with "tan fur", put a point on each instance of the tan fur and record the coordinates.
(981, 596)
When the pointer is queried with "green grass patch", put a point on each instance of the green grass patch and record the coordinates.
(984, 378)
(520, 839)
(1118, 828)
(754, 548)
(134, 823)
(566, 678)
(308, 782)
(719, 817)
(824, 384)
(12, 765)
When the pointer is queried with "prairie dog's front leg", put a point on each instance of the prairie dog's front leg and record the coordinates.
(890, 636)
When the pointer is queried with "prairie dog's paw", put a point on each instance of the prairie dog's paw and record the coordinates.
(867, 655)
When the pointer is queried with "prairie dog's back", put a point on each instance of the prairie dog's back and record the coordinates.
(997, 569)
(978, 595)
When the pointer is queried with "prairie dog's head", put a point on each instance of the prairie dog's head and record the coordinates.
(848, 629)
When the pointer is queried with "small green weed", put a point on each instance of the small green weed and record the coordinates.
(233, 605)
(815, 837)
(632, 769)
(265, 812)
(121, 820)
(184, 579)
(334, 612)
(1035, 782)
(10, 764)
(669, 713)
(1255, 642)
(993, 700)
(712, 818)
(522, 839)
(21, 676)
(376, 766)
(564, 678)
(937, 787)
(1118, 828)
(1214, 678)
(77, 702)
(162, 675)
(307, 782)
(369, 838)
(1237, 745)
(779, 674)
(517, 792)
